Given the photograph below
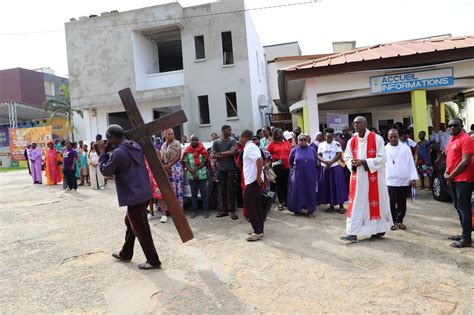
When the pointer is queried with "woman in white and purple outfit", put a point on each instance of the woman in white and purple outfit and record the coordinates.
(332, 184)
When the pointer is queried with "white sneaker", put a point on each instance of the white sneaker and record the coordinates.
(151, 217)
(164, 219)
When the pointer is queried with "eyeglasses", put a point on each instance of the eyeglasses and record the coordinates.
(305, 140)
(453, 126)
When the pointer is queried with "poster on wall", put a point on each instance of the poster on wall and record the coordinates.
(4, 136)
(21, 137)
(337, 122)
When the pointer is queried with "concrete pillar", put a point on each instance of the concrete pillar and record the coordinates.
(442, 113)
(306, 119)
(312, 104)
(300, 122)
(420, 112)
(436, 115)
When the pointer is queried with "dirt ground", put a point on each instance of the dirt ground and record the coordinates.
(55, 257)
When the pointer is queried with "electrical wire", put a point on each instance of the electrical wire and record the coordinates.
(164, 20)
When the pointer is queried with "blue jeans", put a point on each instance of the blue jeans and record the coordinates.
(199, 185)
(461, 193)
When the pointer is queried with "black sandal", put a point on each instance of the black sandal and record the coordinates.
(461, 244)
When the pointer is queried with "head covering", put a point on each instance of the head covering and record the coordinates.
(287, 135)
(303, 135)
(50, 143)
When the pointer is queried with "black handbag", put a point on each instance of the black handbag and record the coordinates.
(267, 200)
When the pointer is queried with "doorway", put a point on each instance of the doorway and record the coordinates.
(385, 126)
(121, 119)
(158, 113)
(367, 116)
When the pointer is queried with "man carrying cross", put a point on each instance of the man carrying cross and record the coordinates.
(369, 208)
(133, 186)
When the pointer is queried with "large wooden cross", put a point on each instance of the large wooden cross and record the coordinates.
(142, 134)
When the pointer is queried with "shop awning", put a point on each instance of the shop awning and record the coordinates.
(24, 112)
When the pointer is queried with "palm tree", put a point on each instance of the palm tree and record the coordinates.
(454, 109)
(62, 107)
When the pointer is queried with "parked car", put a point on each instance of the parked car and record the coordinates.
(441, 191)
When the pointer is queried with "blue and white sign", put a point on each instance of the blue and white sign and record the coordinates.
(408, 81)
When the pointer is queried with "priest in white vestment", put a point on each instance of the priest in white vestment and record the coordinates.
(369, 208)
(400, 174)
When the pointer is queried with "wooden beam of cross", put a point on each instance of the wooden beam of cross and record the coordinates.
(142, 134)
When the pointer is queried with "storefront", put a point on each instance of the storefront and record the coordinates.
(406, 82)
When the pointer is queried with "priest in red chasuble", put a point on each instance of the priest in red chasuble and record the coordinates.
(369, 206)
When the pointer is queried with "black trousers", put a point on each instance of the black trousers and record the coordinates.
(238, 189)
(137, 226)
(398, 202)
(461, 193)
(282, 183)
(254, 206)
(71, 178)
(227, 191)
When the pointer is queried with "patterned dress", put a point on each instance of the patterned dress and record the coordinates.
(169, 152)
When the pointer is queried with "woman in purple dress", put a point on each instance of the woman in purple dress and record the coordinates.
(303, 159)
(332, 184)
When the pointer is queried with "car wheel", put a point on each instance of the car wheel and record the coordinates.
(440, 189)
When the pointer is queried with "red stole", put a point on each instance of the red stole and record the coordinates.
(199, 150)
(373, 196)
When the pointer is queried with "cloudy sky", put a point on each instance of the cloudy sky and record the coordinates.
(32, 31)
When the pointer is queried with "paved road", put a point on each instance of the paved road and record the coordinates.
(55, 257)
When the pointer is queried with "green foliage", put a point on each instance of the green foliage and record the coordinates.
(62, 107)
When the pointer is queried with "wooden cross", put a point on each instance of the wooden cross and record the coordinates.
(142, 134)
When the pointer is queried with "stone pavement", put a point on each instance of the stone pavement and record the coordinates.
(55, 257)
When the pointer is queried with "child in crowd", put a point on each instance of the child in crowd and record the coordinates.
(84, 167)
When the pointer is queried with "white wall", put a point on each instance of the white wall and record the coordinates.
(469, 113)
(143, 58)
(282, 50)
(257, 71)
(99, 123)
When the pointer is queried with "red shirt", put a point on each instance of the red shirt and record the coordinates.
(457, 146)
(280, 150)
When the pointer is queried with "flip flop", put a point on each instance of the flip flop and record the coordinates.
(401, 226)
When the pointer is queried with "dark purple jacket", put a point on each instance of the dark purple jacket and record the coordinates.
(126, 162)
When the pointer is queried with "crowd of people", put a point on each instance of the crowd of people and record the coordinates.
(374, 173)
(65, 162)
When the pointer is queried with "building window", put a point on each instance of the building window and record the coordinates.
(159, 50)
(231, 104)
(199, 47)
(227, 50)
(204, 117)
(121, 119)
(49, 89)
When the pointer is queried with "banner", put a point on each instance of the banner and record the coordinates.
(4, 136)
(337, 122)
(60, 128)
(21, 137)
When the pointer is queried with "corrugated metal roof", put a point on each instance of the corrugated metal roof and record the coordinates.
(299, 57)
(381, 51)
